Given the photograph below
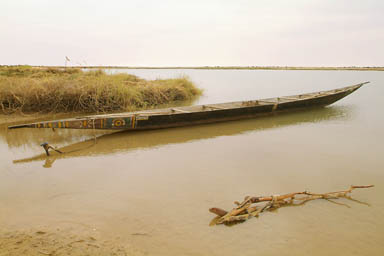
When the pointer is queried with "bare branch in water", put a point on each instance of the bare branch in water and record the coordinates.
(248, 208)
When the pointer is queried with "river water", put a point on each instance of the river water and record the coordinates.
(153, 189)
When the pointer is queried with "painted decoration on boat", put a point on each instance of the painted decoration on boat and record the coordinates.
(87, 123)
(118, 122)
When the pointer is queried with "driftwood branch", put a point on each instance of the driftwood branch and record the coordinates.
(249, 208)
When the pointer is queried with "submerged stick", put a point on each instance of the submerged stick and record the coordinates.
(248, 209)
(47, 147)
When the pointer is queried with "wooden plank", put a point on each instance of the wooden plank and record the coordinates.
(179, 110)
(151, 113)
(213, 107)
(250, 103)
(291, 98)
(268, 101)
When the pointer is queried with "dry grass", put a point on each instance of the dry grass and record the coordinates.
(30, 89)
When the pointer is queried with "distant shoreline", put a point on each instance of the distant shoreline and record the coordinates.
(351, 68)
(232, 68)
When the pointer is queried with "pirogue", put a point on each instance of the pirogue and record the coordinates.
(199, 114)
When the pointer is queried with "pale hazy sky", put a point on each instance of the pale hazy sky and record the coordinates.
(193, 33)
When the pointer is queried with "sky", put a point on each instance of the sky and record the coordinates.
(192, 33)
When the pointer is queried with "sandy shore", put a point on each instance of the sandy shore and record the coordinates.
(73, 241)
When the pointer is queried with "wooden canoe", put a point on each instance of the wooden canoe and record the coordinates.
(199, 114)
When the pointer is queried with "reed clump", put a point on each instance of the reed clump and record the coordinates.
(31, 89)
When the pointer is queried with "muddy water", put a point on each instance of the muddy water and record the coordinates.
(153, 189)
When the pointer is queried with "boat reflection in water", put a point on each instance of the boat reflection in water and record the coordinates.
(127, 141)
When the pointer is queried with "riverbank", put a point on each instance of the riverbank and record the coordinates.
(27, 89)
